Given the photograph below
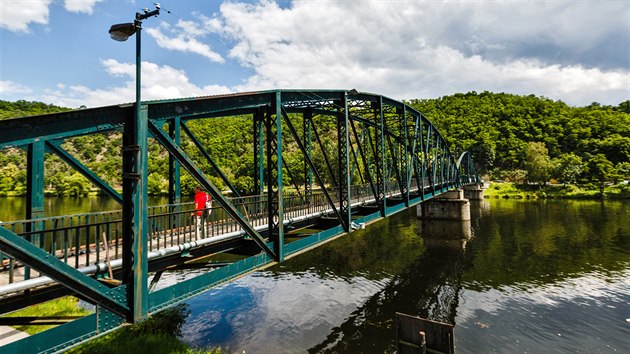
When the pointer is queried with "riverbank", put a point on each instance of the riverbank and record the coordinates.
(160, 333)
(555, 191)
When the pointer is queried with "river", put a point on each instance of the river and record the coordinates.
(531, 277)
(534, 277)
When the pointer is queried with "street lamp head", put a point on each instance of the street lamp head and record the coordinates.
(122, 31)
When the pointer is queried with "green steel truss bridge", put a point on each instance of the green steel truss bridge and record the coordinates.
(388, 157)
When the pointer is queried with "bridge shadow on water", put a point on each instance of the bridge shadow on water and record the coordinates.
(340, 297)
(427, 287)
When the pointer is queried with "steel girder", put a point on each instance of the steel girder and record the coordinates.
(380, 134)
(465, 170)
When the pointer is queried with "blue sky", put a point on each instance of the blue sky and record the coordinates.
(60, 52)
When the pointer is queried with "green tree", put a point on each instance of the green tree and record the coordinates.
(600, 170)
(75, 185)
(623, 170)
(568, 167)
(537, 162)
(624, 106)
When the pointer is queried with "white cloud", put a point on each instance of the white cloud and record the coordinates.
(81, 6)
(16, 15)
(421, 50)
(10, 88)
(424, 49)
(158, 82)
(184, 40)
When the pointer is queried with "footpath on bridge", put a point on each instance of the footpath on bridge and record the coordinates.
(10, 335)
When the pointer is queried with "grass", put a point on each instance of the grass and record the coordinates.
(158, 334)
(125, 341)
(64, 306)
(565, 191)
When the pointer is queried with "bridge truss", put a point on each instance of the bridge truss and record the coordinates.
(385, 157)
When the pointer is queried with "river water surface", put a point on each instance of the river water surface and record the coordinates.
(530, 277)
(534, 277)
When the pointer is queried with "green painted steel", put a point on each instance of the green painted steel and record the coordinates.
(60, 338)
(183, 290)
(174, 170)
(259, 162)
(34, 192)
(55, 147)
(307, 142)
(343, 146)
(23, 131)
(214, 165)
(278, 195)
(38, 259)
(397, 154)
(216, 194)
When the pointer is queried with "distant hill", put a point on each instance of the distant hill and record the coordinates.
(501, 128)
(23, 108)
(512, 137)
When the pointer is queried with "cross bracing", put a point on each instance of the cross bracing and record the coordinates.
(380, 157)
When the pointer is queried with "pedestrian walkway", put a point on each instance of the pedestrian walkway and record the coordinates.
(10, 334)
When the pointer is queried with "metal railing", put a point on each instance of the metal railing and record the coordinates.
(87, 239)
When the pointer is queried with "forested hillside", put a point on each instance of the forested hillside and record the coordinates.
(26, 108)
(534, 138)
(518, 138)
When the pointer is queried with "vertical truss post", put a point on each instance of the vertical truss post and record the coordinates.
(435, 164)
(395, 150)
(379, 156)
(454, 173)
(34, 192)
(405, 163)
(275, 200)
(365, 161)
(413, 159)
(269, 151)
(427, 162)
(423, 163)
(278, 209)
(259, 175)
(174, 171)
(135, 218)
(174, 175)
(344, 162)
(442, 152)
(355, 160)
(307, 120)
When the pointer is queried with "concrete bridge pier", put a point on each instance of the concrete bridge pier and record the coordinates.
(474, 192)
(449, 206)
(445, 234)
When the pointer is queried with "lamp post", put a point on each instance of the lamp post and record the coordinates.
(122, 31)
(134, 176)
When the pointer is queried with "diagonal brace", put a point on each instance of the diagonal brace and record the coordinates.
(190, 166)
(37, 258)
(310, 162)
(210, 160)
(55, 147)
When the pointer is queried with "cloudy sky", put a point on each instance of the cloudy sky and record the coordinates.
(60, 52)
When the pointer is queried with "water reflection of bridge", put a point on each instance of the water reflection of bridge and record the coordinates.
(427, 287)
(387, 157)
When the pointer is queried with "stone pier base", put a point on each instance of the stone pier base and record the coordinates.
(449, 206)
(473, 192)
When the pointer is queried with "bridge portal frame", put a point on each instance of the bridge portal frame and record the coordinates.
(392, 146)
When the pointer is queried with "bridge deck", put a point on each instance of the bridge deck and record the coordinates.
(79, 240)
